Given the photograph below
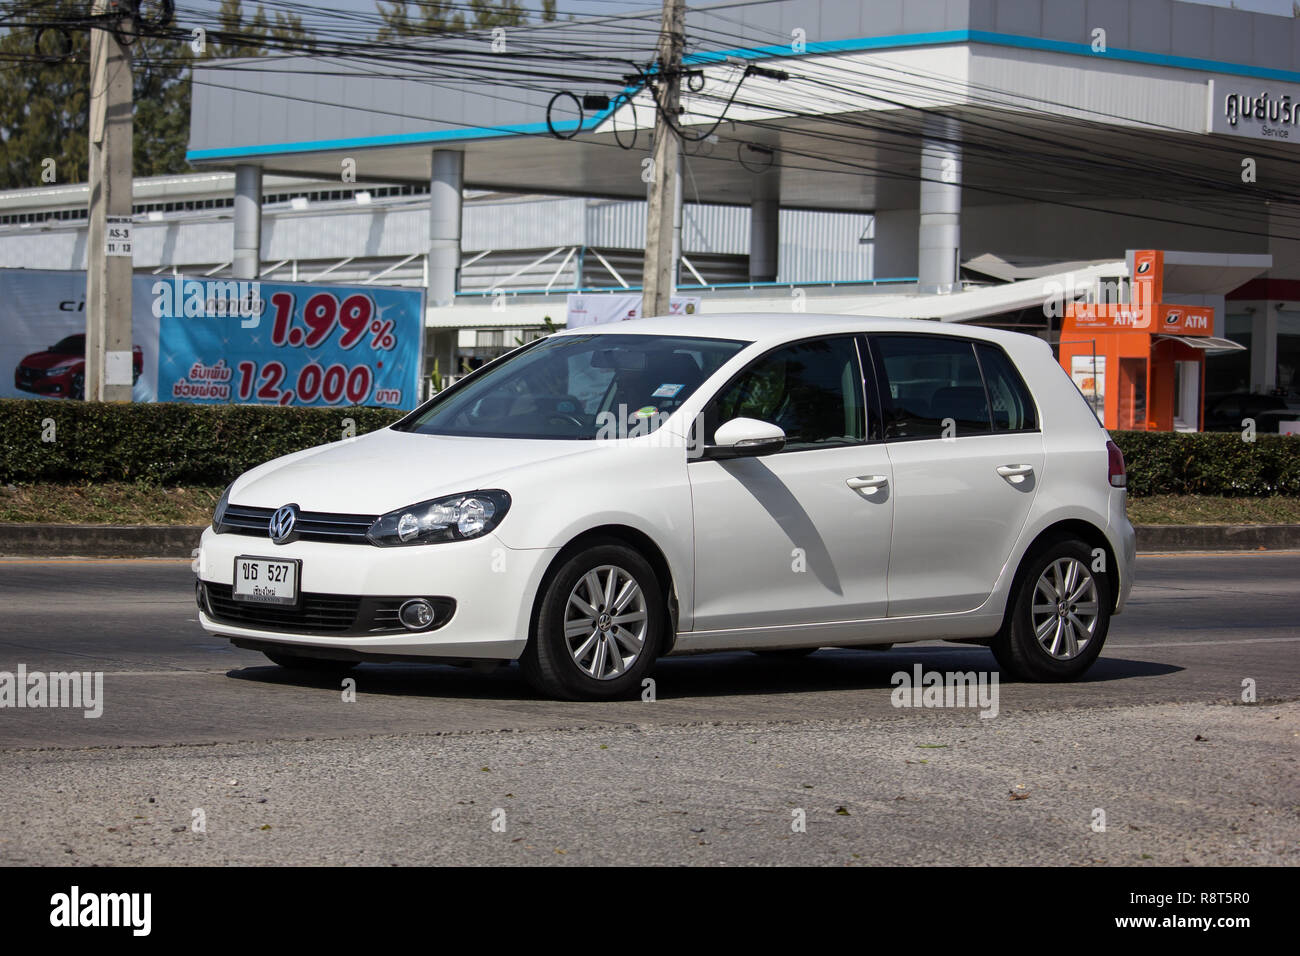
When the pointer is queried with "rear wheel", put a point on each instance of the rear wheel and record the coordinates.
(319, 665)
(1058, 618)
(599, 628)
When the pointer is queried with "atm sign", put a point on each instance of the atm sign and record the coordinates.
(1186, 319)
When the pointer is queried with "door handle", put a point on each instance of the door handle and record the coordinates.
(867, 482)
(1015, 473)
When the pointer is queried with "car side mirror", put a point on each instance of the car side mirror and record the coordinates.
(745, 438)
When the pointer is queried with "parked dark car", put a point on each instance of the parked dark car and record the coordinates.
(60, 371)
(1226, 414)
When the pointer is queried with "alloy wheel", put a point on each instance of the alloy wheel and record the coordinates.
(1065, 608)
(605, 622)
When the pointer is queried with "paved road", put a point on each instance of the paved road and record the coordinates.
(1196, 627)
(733, 745)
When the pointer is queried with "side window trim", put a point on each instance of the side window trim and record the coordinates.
(873, 399)
(711, 405)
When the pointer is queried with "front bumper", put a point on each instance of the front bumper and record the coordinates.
(41, 384)
(490, 586)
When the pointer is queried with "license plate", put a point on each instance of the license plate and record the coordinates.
(266, 580)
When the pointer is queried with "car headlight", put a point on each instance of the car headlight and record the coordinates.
(450, 518)
(219, 513)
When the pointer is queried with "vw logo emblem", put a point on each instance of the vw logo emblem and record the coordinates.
(282, 524)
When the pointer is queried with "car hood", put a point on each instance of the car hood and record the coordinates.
(48, 360)
(387, 470)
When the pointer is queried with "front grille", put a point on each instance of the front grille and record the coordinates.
(310, 526)
(317, 613)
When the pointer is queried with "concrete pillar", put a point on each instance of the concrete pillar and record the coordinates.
(446, 186)
(765, 227)
(1263, 348)
(247, 258)
(939, 238)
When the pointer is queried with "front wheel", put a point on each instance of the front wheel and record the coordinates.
(1058, 618)
(599, 628)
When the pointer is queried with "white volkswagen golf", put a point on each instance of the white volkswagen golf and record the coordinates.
(605, 496)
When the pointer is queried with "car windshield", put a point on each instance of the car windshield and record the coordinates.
(72, 345)
(578, 387)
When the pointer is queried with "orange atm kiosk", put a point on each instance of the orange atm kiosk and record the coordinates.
(1141, 363)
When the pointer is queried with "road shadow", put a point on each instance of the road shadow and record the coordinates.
(697, 676)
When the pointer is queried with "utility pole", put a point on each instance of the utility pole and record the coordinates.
(660, 265)
(109, 365)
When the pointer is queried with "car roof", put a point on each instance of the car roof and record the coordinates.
(775, 327)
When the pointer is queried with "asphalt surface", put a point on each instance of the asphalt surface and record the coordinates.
(428, 757)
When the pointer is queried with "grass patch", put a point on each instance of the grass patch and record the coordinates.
(1200, 509)
(144, 503)
(108, 503)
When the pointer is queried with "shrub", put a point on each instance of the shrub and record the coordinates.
(163, 443)
(1210, 463)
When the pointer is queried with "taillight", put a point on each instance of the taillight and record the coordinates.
(1115, 465)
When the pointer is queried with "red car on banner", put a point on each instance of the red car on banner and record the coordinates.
(60, 371)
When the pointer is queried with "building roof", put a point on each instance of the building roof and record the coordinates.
(1021, 76)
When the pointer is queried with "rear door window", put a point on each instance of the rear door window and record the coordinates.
(931, 387)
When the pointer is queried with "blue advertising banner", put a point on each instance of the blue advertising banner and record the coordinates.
(273, 343)
(218, 341)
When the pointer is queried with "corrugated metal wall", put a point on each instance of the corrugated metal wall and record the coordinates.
(523, 223)
(825, 246)
(815, 246)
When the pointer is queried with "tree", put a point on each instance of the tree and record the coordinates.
(441, 16)
(162, 105)
(253, 34)
(44, 107)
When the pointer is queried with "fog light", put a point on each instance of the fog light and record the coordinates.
(416, 614)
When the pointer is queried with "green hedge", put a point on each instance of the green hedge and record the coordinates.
(1210, 463)
(164, 443)
(210, 444)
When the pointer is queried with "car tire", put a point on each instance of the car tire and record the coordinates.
(77, 387)
(582, 648)
(1058, 617)
(318, 665)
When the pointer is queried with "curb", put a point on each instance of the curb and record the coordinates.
(1218, 537)
(179, 541)
(98, 540)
